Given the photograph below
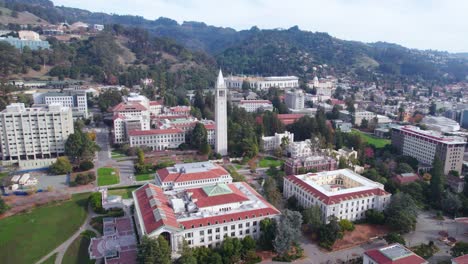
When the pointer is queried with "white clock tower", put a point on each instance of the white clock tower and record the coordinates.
(221, 115)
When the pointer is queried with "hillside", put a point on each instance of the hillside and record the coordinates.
(23, 18)
(276, 52)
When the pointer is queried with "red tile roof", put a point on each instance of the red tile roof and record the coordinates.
(335, 198)
(155, 103)
(166, 176)
(124, 107)
(289, 118)
(380, 258)
(146, 209)
(461, 260)
(154, 132)
(267, 211)
(203, 200)
(118, 116)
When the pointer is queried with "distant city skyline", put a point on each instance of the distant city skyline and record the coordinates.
(422, 24)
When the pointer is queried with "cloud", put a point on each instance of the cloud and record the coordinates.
(423, 24)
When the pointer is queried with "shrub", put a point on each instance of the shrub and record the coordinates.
(394, 238)
(95, 200)
(86, 165)
(83, 179)
(375, 217)
(346, 225)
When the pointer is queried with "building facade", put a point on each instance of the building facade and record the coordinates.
(273, 142)
(295, 99)
(221, 116)
(157, 139)
(34, 133)
(21, 44)
(253, 106)
(192, 175)
(76, 100)
(263, 83)
(201, 216)
(424, 145)
(309, 164)
(340, 193)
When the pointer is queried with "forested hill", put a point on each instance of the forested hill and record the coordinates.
(277, 52)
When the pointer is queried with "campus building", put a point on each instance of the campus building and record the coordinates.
(192, 175)
(424, 145)
(314, 163)
(273, 142)
(201, 216)
(392, 254)
(262, 83)
(252, 106)
(295, 99)
(34, 133)
(340, 193)
(157, 139)
(76, 100)
(22, 43)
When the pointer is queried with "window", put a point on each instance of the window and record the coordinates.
(209, 231)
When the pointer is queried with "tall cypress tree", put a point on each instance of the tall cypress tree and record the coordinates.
(437, 181)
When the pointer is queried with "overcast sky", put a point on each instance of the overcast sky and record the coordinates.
(422, 24)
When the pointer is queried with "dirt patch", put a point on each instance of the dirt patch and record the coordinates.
(21, 204)
(362, 234)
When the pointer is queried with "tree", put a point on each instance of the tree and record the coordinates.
(86, 165)
(394, 238)
(401, 214)
(231, 250)
(437, 181)
(404, 168)
(433, 108)
(451, 203)
(364, 123)
(342, 163)
(14, 14)
(313, 217)
(154, 251)
(375, 217)
(79, 146)
(3, 206)
(267, 235)
(199, 137)
(346, 225)
(460, 249)
(141, 157)
(329, 233)
(186, 256)
(61, 166)
(271, 191)
(245, 86)
(289, 226)
(248, 243)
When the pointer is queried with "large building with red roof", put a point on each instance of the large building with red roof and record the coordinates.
(340, 193)
(201, 216)
(460, 260)
(392, 254)
(191, 175)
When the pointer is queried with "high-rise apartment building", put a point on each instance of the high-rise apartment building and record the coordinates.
(34, 133)
(295, 99)
(76, 100)
(424, 145)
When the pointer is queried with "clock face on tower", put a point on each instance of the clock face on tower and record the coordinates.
(221, 93)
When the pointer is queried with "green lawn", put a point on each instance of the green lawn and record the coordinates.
(124, 192)
(107, 176)
(25, 238)
(371, 140)
(78, 250)
(144, 177)
(50, 260)
(3, 174)
(116, 154)
(269, 161)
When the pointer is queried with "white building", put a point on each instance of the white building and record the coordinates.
(252, 106)
(300, 149)
(441, 124)
(221, 116)
(34, 133)
(28, 35)
(129, 116)
(263, 83)
(424, 145)
(157, 139)
(295, 99)
(192, 175)
(201, 216)
(340, 193)
(273, 142)
(76, 100)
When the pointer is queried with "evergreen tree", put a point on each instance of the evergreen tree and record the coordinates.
(437, 181)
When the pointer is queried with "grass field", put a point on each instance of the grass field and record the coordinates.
(107, 176)
(25, 238)
(124, 192)
(78, 250)
(116, 155)
(371, 140)
(144, 177)
(269, 161)
(3, 174)
(50, 260)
